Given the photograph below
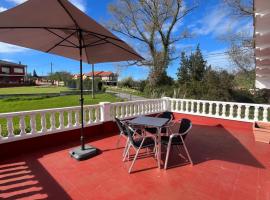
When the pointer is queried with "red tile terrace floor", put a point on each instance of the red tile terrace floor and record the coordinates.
(228, 165)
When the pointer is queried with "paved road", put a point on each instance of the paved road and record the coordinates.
(126, 96)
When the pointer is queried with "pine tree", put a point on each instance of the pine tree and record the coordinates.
(183, 71)
(35, 74)
(197, 65)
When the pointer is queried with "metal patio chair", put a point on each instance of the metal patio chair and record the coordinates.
(138, 143)
(165, 129)
(123, 133)
(178, 139)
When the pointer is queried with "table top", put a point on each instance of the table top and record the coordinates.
(149, 121)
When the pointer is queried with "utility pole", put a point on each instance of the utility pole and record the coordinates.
(51, 72)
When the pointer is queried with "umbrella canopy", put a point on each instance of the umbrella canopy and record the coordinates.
(53, 26)
(58, 27)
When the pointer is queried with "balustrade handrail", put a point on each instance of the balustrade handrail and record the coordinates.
(28, 112)
(222, 102)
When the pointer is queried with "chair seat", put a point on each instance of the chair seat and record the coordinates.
(175, 140)
(137, 131)
(148, 142)
(154, 130)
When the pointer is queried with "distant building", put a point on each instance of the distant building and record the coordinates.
(12, 73)
(109, 78)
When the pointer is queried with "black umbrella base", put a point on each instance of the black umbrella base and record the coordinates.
(88, 152)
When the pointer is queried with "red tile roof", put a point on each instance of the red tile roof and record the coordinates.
(100, 73)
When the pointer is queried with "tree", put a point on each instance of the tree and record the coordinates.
(152, 23)
(241, 50)
(35, 74)
(197, 65)
(60, 76)
(183, 70)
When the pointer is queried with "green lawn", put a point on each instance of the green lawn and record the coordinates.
(36, 103)
(24, 103)
(32, 90)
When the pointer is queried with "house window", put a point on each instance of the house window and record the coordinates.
(6, 70)
(18, 70)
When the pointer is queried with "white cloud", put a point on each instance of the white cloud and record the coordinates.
(81, 4)
(17, 1)
(218, 22)
(2, 9)
(8, 48)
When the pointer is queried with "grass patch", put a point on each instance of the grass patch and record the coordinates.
(32, 90)
(25, 103)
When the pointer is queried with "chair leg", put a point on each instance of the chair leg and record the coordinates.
(127, 152)
(130, 168)
(181, 155)
(125, 149)
(167, 155)
(191, 162)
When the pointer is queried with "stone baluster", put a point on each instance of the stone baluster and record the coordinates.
(210, 108)
(69, 125)
(247, 112)
(203, 108)
(265, 113)
(97, 113)
(239, 111)
(43, 123)
(177, 105)
(52, 121)
(231, 111)
(77, 118)
(256, 113)
(61, 120)
(192, 107)
(223, 110)
(198, 107)
(127, 110)
(33, 124)
(22, 125)
(10, 128)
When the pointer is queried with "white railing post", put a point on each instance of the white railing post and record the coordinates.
(52, 120)
(33, 124)
(105, 109)
(247, 112)
(265, 113)
(43, 123)
(10, 127)
(223, 110)
(256, 113)
(22, 125)
(167, 103)
(239, 111)
(69, 125)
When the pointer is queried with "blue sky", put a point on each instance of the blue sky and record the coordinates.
(207, 24)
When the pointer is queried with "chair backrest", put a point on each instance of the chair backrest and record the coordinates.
(120, 126)
(185, 126)
(166, 114)
(129, 132)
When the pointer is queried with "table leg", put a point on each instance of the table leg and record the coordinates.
(159, 148)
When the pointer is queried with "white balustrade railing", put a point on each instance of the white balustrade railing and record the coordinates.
(129, 109)
(22, 125)
(225, 110)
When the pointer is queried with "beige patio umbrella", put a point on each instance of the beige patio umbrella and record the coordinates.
(58, 27)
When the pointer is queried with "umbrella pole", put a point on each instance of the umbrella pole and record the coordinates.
(84, 151)
(81, 99)
(93, 82)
